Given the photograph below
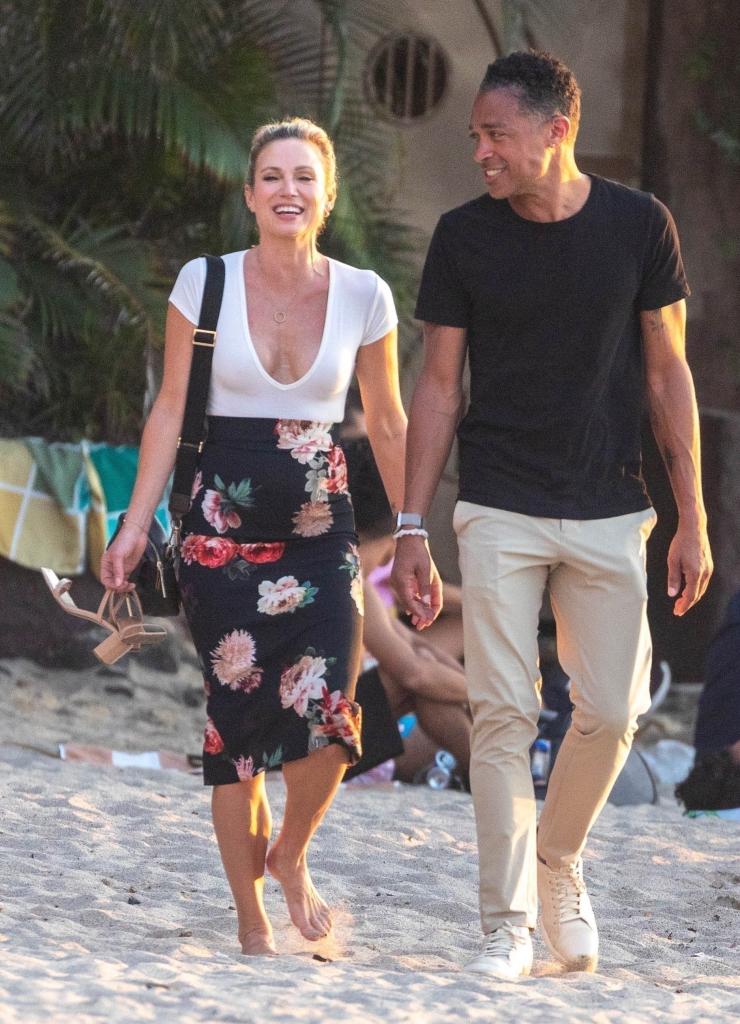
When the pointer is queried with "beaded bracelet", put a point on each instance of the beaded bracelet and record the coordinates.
(415, 531)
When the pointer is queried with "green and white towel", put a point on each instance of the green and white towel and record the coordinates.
(59, 502)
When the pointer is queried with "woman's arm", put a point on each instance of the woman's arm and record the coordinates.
(377, 374)
(156, 454)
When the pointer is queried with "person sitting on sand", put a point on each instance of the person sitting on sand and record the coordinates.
(714, 782)
(411, 676)
(446, 632)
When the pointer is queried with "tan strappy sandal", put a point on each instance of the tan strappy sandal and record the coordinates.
(119, 613)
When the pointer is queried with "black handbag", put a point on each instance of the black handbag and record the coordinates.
(155, 576)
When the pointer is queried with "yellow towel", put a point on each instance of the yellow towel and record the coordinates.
(35, 529)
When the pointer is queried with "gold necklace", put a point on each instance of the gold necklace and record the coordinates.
(278, 315)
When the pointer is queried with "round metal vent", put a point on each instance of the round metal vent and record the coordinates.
(406, 76)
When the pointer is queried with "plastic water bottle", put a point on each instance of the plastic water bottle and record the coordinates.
(439, 776)
(540, 761)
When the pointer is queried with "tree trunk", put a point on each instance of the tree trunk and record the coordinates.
(688, 162)
(690, 101)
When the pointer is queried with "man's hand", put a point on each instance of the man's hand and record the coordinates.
(690, 562)
(416, 581)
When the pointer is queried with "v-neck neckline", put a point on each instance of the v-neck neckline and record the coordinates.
(250, 343)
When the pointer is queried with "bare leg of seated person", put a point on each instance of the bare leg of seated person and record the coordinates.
(441, 726)
(446, 636)
(418, 753)
(448, 726)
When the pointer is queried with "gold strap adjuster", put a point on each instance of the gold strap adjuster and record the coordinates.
(189, 444)
(202, 341)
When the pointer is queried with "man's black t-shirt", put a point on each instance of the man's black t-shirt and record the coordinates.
(553, 329)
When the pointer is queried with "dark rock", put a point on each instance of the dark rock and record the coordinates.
(193, 696)
(33, 626)
(164, 656)
(117, 690)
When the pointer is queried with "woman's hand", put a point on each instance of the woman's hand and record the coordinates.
(121, 558)
(416, 581)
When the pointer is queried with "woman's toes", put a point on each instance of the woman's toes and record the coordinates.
(322, 919)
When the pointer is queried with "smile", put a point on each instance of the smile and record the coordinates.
(288, 209)
(493, 172)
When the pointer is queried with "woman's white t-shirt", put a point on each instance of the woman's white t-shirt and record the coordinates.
(359, 311)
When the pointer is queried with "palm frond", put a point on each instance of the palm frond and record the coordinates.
(10, 292)
(80, 252)
(57, 305)
(125, 130)
(17, 356)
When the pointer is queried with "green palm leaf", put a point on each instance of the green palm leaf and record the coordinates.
(124, 132)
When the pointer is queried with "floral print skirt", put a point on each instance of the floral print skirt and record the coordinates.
(270, 580)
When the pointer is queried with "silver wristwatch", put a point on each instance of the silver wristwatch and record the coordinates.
(409, 519)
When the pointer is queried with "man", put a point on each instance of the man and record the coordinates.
(560, 287)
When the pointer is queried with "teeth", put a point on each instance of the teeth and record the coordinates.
(493, 172)
(287, 209)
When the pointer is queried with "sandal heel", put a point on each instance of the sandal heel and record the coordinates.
(111, 649)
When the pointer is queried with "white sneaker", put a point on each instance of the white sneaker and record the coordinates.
(507, 953)
(567, 919)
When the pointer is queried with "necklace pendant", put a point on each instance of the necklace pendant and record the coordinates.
(279, 316)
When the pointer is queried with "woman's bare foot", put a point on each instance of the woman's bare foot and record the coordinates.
(258, 941)
(308, 912)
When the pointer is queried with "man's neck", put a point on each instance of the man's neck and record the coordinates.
(560, 194)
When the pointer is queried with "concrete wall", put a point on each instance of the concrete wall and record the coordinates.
(601, 40)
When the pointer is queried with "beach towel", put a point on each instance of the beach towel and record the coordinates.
(59, 502)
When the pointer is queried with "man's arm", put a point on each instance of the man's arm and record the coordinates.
(435, 411)
(675, 421)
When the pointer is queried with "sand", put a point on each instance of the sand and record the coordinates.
(114, 906)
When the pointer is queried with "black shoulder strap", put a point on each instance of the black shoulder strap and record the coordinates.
(193, 432)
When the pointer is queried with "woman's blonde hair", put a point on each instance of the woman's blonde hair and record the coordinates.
(296, 128)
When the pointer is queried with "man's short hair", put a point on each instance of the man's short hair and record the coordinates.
(543, 85)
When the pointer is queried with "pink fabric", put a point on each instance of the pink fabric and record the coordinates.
(380, 580)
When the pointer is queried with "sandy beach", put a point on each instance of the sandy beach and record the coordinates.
(114, 906)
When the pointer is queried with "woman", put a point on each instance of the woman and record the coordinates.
(269, 570)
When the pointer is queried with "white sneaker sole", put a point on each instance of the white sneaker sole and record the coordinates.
(499, 975)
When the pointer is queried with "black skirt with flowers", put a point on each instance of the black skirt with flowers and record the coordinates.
(271, 587)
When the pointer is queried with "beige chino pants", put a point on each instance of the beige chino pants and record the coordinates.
(595, 572)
